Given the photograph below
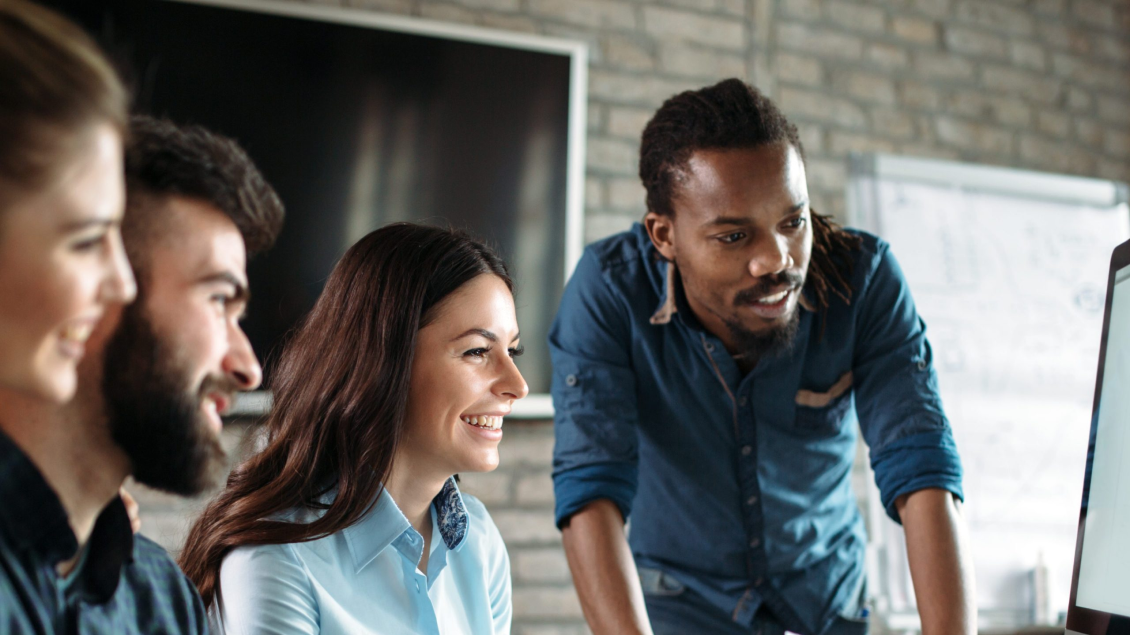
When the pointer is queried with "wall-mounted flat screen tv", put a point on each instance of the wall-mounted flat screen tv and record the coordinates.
(360, 119)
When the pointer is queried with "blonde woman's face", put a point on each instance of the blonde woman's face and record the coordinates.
(61, 265)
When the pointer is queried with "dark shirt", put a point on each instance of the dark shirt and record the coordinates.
(124, 584)
(739, 484)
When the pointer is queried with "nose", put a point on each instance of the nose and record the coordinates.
(771, 256)
(240, 364)
(511, 385)
(118, 283)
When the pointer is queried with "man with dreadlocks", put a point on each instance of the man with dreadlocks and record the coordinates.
(710, 368)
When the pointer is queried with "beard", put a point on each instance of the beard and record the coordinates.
(155, 414)
(775, 340)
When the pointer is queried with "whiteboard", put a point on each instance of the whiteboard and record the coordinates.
(1008, 269)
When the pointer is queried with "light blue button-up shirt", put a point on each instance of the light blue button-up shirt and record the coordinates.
(364, 579)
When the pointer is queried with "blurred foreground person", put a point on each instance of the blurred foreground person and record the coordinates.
(158, 375)
(350, 520)
(62, 118)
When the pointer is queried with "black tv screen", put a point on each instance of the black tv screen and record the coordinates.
(358, 126)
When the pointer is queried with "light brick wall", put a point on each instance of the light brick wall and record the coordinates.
(1042, 84)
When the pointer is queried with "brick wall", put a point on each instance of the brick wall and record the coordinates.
(1042, 84)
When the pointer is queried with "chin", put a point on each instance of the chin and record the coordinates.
(481, 464)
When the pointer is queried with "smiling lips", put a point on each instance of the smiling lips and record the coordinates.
(486, 422)
(73, 336)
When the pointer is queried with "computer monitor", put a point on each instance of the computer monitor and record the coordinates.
(1100, 583)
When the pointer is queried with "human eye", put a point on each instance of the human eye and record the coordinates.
(730, 238)
(89, 242)
(516, 351)
(477, 352)
(796, 223)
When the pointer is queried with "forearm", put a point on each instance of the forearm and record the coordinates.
(939, 562)
(603, 571)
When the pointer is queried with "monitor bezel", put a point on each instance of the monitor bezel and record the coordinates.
(1080, 619)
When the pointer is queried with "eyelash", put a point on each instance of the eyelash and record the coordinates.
(482, 352)
(89, 244)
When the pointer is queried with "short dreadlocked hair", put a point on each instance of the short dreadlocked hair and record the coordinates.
(734, 115)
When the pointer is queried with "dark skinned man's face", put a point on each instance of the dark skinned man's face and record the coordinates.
(741, 237)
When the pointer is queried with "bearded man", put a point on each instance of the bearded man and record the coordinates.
(711, 368)
(156, 377)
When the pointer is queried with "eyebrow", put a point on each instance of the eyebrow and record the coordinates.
(742, 221)
(483, 333)
(242, 293)
(80, 225)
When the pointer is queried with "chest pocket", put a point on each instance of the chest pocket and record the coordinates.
(824, 411)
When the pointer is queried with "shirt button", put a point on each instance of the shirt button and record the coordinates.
(922, 364)
(752, 500)
(753, 543)
(709, 347)
(747, 450)
(417, 586)
(571, 380)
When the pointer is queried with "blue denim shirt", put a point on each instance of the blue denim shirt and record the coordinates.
(739, 486)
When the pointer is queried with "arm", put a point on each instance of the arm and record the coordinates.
(913, 454)
(939, 562)
(604, 571)
(595, 454)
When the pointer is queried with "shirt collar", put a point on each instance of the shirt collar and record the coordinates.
(385, 523)
(33, 518)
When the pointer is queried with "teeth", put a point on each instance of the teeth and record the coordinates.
(485, 422)
(77, 332)
(775, 298)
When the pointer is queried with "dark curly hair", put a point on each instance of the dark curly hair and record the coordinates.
(730, 115)
(164, 159)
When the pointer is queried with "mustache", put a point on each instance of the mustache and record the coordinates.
(769, 284)
(218, 384)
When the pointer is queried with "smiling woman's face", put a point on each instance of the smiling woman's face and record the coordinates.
(463, 380)
(61, 264)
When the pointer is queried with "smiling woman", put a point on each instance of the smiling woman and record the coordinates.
(350, 519)
(62, 117)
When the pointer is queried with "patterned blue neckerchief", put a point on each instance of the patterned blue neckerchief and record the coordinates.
(451, 515)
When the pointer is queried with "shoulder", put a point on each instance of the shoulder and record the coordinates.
(160, 593)
(154, 566)
(260, 561)
(872, 256)
(483, 531)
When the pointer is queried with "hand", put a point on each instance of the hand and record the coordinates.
(132, 510)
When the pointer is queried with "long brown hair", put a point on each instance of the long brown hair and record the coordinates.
(57, 85)
(341, 390)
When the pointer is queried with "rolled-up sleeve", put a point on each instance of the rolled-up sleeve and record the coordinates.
(896, 391)
(594, 395)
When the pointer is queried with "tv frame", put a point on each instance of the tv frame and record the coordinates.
(534, 406)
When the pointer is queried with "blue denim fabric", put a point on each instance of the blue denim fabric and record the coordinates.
(735, 489)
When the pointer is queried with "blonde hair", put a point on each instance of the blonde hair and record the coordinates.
(55, 86)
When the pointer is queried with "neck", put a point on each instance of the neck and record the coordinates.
(72, 448)
(413, 488)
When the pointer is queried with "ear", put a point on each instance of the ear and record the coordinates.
(661, 230)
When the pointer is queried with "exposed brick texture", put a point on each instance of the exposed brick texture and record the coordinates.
(1041, 84)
